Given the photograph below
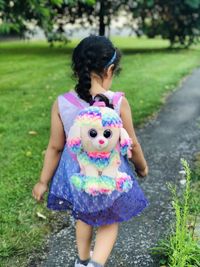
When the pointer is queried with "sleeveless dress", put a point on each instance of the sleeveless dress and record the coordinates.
(96, 210)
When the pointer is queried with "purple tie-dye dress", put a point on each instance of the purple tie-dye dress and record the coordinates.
(94, 210)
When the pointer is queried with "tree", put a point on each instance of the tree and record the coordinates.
(15, 15)
(175, 20)
(53, 15)
(97, 12)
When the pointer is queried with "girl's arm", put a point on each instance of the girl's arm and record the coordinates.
(137, 154)
(53, 153)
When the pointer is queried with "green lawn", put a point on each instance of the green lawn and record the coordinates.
(32, 75)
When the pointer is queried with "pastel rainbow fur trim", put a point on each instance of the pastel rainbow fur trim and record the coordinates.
(99, 185)
(99, 116)
(93, 185)
(102, 184)
(99, 159)
(125, 145)
(74, 145)
(124, 182)
(99, 154)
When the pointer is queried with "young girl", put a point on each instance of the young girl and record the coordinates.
(94, 62)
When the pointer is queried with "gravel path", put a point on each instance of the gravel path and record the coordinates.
(172, 135)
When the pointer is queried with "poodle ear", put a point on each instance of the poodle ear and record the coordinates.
(125, 142)
(74, 139)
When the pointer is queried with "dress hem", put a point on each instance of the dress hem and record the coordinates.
(116, 221)
(69, 207)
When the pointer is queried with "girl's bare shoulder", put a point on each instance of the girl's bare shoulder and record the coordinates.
(125, 106)
(55, 107)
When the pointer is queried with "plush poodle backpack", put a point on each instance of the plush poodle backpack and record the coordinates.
(97, 137)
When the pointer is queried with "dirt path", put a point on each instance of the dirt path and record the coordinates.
(174, 134)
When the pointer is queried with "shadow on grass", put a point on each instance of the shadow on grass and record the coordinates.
(45, 50)
(131, 51)
(35, 50)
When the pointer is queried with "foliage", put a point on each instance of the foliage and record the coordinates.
(55, 14)
(20, 17)
(32, 75)
(94, 13)
(175, 20)
(195, 188)
(180, 248)
(16, 15)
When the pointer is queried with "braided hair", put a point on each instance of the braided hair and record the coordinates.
(103, 98)
(93, 54)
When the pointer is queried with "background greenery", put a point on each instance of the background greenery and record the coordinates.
(32, 75)
(175, 20)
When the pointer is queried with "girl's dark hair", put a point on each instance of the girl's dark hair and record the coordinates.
(93, 54)
(102, 97)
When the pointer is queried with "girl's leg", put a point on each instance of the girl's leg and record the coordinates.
(105, 240)
(83, 239)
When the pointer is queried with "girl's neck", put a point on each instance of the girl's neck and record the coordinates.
(96, 87)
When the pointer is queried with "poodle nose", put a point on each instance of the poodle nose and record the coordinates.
(101, 142)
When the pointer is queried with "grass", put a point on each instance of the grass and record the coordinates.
(181, 248)
(186, 251)
(180, 255)
(195, 188)
(32, 75)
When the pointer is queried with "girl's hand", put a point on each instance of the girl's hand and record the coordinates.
(142, 173)
(38, 191)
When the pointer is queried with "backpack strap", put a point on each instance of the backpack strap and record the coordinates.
(73, 100)
(117, 97)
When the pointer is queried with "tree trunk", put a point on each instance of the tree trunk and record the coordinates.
(102, 25)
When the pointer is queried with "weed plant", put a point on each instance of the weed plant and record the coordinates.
(180, 248)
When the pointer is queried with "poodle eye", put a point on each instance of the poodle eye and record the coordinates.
(107, 133)
(92, 133)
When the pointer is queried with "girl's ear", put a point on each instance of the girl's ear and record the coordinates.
(125, 142)
(74, 139)
(108, 73)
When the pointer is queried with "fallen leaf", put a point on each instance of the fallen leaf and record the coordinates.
(32, 132)
(40, 215)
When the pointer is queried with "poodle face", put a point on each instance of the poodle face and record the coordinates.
(98, 129)
(99, 138)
